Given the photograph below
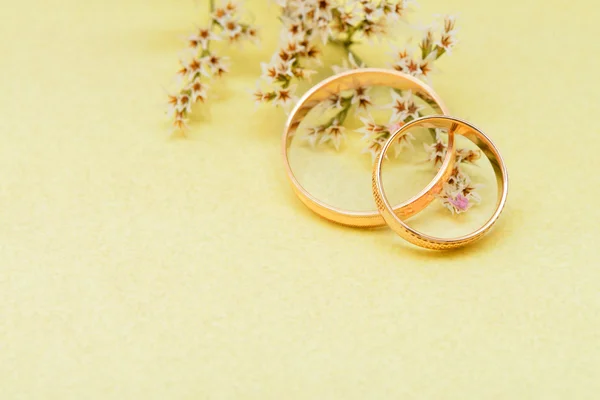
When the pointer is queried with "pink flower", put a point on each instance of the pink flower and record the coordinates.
(460, 202)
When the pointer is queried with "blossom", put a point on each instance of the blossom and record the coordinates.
(376, 135)
(198, 90)
(372, 11)
(404, 141)
(347, 19)
(180, 122)
(224, 13)
(361, 98)
(217, 65)
(313, 134)
(251, 33)
(308, 23)
(436, 151)
(278, 70)
(456, 204)
(285, 97)
(203, 38)
(467, 156)
(192, 68)
(205, 63)
(334, 134)
(179, 103)
(459, 193)
(303, 73)
(432, 46)
(232, 30)
(334, 101)
(403, 106)
(447, 39)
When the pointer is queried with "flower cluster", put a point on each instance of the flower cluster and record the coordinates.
(459, 193)
(310, 24)
(364, 14)
(202, 63)
(370, 19)
(420, 62)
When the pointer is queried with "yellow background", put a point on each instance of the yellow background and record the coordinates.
(138, 266)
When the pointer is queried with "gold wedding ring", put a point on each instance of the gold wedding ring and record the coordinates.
(458, 127)
(351, 80)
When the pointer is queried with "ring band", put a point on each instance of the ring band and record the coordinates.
(351, 80)
(459, 127)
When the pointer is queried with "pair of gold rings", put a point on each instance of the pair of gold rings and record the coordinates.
(395, 216)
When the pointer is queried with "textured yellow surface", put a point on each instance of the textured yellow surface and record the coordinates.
(137, 266)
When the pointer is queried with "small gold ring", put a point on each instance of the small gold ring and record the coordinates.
(351, 80)
(459, 127)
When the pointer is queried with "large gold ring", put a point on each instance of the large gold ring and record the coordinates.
(351, 80)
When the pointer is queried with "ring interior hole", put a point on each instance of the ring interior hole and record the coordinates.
(405, 176)
(341, 178)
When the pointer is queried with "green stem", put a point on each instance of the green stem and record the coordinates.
(343, 113)
(358, 60)
(213, 22)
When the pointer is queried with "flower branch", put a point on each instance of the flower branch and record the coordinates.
(202, 63)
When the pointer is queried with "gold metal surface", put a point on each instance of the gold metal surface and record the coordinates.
(395, 220)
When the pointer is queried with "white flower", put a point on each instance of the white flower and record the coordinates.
(374, 30)
(348, 17)
(232, 30)
(334, 134)
(403, 106)
(334, 101)
(324, 9)
(361, 98)
(404, 141)
(375, 135)
(269, 72)
(370, 128)
(198, 90)
(410, 62)
(396, 12)
(285, 97)
(450, 24)
(193, 68)
(467, 156)
(401, 57)
(251, 33)
(435, 152)
(180, 123)
(222, 14)
(294, 30)
(184, 103)
(313, 134)
(217, 64)
(303, 73)
(203, 38)
(372, 12)
(277, 69)
(447, 41)
(324, 30)
(459, 194)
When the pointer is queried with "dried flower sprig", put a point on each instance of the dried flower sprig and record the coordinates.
(203, 63)
(459, 193)
(310, 24)
(435, 43)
